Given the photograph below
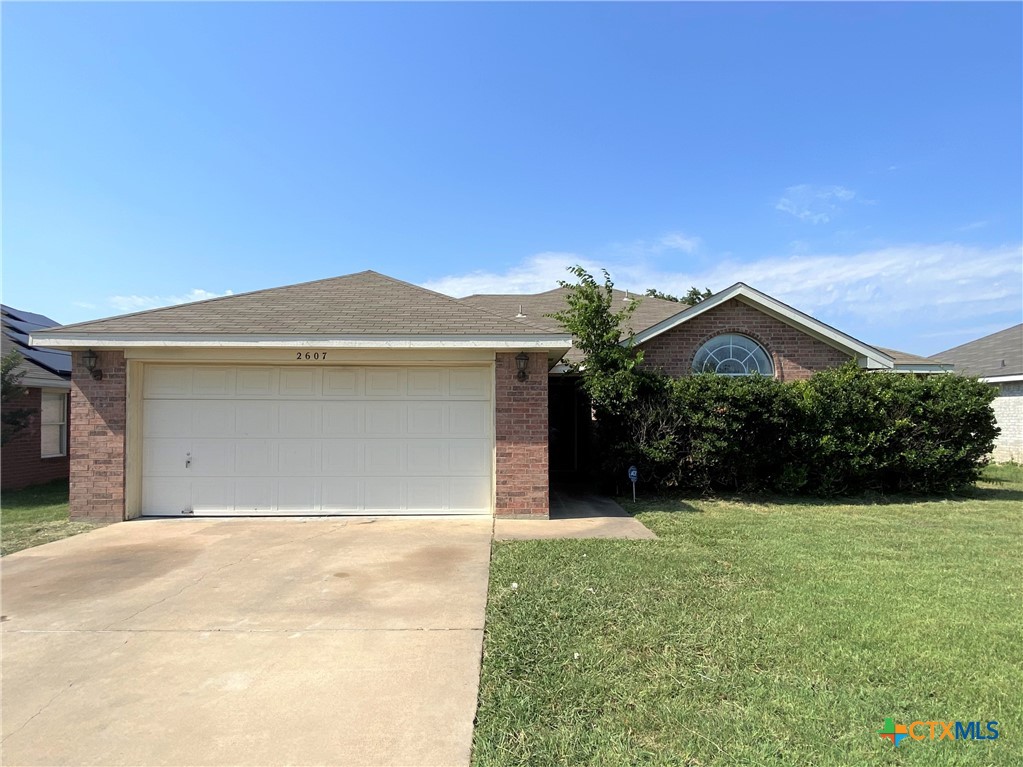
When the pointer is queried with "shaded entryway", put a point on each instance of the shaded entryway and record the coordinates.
(570, 423)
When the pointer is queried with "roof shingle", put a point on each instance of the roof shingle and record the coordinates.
(365, 303)
(999, 354)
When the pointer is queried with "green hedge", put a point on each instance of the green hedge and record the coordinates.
(842, 431)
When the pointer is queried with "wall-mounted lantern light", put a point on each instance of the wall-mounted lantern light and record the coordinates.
(521, 361)
(89, 358)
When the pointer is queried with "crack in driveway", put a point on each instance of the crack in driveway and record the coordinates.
(42, 708)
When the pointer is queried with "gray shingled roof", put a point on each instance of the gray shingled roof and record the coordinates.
(366, 303)
(905, 358)
(999, 354)
(536, 306)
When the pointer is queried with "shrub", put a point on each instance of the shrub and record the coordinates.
(842, 431)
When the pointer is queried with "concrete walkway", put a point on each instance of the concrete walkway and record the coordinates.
(246, 642)
(575, 513)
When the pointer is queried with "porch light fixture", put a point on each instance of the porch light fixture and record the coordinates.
(521, 360)
(89, 358)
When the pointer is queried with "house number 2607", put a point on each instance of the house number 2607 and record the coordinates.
(310, 355)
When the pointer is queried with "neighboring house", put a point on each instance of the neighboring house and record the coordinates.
(366, 395)
(997, 359)
(39, 452)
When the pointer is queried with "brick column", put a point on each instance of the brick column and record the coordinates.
(521, 423)
(98, 419)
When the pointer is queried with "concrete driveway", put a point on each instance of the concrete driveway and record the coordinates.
(246, 642)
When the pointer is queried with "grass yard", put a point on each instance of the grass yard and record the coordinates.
(36, 515)
(777, 632)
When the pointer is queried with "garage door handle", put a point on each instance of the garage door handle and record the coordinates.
(188, 460)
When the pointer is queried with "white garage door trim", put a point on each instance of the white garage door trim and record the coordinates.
(275, 440)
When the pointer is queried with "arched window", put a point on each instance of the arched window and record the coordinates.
(732, 355)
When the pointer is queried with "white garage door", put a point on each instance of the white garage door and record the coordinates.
(316, 440)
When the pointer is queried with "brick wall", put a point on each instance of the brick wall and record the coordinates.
(795, 355)
(1008, 407)
(21, 461)
(98, 418)
(521, 424)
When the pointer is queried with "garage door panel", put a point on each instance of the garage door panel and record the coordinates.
(166, 457)
(254, 458)
(428, 382)
(309, 439)
(166, 495)
(297, 458)
(212, 458)
(469, 382)
(341, 419)
(385, 382)
(256, 382)
(424, 493)
(255, 419)
(168, 418)
(383, 457)
(254, 495)
(212, 494)
(295, 494)
(427, 418)
(167, 381)
(302, 382)
(340, 457)
(427, 457)
(212, 418)
(470, 457)
(340, 494)
(384, 419)
(470, 494)
(381, 496)
(212, 382)
(340, 382)
(469, 419)
(298, 419)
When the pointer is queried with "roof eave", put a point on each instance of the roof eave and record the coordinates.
(69, 342)
(921, 367)
(1010, 378)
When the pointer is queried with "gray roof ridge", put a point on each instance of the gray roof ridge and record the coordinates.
(461, 305)
(209, 300)
(509, 295)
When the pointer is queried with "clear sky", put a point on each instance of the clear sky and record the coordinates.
(859, 161)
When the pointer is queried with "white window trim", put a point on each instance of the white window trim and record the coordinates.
(750, 356)
(63, 423)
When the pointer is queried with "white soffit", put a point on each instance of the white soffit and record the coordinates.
(66, 341)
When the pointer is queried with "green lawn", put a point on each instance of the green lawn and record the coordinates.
(36, 515)
(776, 632)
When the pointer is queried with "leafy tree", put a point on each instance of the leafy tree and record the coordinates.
(694, 296)
(12, 420)
(611, 375)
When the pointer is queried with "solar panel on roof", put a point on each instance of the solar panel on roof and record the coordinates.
(17, 325)
(31, 318)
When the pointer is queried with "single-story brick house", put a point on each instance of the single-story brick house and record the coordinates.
(997, 359)
(38, 452)
(363, 394)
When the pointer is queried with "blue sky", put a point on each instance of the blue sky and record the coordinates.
(859, 161)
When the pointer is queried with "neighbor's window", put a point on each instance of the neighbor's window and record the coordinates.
(53, 425)
(733, 355)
